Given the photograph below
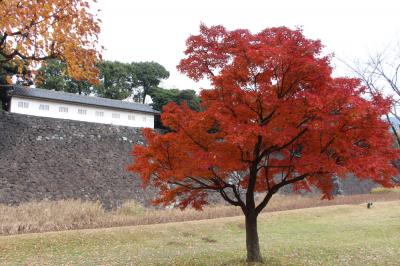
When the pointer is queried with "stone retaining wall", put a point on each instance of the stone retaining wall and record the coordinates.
(45, 158)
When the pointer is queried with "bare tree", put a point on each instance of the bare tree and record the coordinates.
(380, 73)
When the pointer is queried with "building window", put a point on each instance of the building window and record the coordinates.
(82, 111)
(116, 116)
(23, 105)
(63, 109)
(44, 107)
(100, 114)
(131, 117)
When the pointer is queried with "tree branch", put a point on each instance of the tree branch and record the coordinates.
(293, 140)
(275, 189)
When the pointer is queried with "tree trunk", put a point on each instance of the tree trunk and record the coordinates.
(144, 95)
(252, 243)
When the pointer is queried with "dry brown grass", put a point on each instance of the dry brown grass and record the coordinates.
(75, 214)
(386, 190)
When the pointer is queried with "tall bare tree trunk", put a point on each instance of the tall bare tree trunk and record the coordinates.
(252, 242)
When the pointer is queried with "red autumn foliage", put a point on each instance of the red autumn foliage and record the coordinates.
(274, 117)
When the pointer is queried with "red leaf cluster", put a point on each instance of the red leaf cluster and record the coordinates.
(274, 117)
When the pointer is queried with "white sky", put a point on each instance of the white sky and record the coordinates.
(156, 30)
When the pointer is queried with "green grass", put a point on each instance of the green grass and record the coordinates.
(335, 235)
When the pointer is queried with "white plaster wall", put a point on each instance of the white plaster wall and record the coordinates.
(140, 119)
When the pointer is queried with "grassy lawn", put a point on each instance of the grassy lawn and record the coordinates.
(333, 235)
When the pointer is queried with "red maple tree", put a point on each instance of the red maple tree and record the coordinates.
(274, 117)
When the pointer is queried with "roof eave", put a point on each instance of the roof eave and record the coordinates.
(86, 104)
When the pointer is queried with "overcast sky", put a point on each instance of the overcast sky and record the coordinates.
(156, 30)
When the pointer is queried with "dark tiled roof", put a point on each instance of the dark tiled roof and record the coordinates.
(75, 98)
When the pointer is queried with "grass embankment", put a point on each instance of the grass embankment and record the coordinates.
(73, 214)
(334, 235)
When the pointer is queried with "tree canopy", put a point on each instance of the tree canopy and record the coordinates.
(161, 97)
(52, 75)
(149, 76)
(274, 116)
(117, 80)
(32, 31)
